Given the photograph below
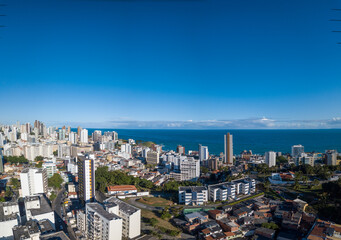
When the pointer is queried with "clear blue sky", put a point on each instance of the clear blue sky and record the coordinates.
(150, 61)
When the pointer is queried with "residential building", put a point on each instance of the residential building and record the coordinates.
(203, 153)
(189, 169)
(101, 224)
(97, 135)
(270, 158)
(331, 157)
(131, 216)
(180, 149)
(84, 136)
(50, 168)
(33, 181)
(229, 190)
(9, 218)
(228, 148)
(153, 157)
(86, 178)
(193, 195)
(37, 208)
(296, 150)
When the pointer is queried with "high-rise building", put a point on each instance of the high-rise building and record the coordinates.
(203, 153)
(270, 158)
(86, 178)
(101, 224)
(131, 216)
(62, 133)
(96, 136)
(228, 147)
(73, 137)
(79, 129)
(153, 157)
(1, 161)
(331, 157)
(33, 181)
(180, 149)
(189, 169)
(296, 150)
(84, 136)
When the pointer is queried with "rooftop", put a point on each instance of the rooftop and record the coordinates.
(44, 205)
(8, 217)
(122, 188)
(124, 207)
(55, 236)
(100, 210)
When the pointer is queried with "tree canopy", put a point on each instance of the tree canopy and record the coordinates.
(55, 181)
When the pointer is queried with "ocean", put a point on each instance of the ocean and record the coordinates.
(259, 141)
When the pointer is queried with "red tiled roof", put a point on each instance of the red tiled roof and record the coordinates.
(121, 188)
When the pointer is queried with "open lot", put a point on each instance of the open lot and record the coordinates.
(155, 201)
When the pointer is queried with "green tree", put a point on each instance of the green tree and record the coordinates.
(55, 153)
(204, 170)
(15, 183)
(270, 225)
(38, 158)
(2, 199)
(281, 160)
(55, 181)
(53, 196)
(296, 185)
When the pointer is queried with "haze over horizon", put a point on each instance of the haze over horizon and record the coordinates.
(199, 64)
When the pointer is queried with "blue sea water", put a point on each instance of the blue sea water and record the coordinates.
(259, 141)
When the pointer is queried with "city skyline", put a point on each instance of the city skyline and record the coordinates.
(171, 64)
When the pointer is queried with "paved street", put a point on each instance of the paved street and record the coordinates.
(57, 206)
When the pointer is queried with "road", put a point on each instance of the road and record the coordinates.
(58, 207)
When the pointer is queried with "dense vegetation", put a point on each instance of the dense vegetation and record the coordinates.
(329, 204)
(55, 181)
(105, 178)
(13, 159)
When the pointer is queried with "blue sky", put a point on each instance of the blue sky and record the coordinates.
(171, 64)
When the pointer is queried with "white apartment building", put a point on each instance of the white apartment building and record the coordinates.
(189, 169)
(97, 136)
(296, 150)
(270, 158)
(126, 148)
(193, 195)
(64, 150)
(203, 153)
(131, 216)
(8, 219)
(230, 190)
(34, 150)
(37, 208)
(50, 168)
(33, 181)
(101, 224)
(84, 136)
(73, 137)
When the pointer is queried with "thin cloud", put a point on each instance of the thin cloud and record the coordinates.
(252, 123)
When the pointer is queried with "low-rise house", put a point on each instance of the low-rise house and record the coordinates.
(200, 217)
(324, 230)
(228, 226)
(216, 214)
(121, 189)
(265, 232)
